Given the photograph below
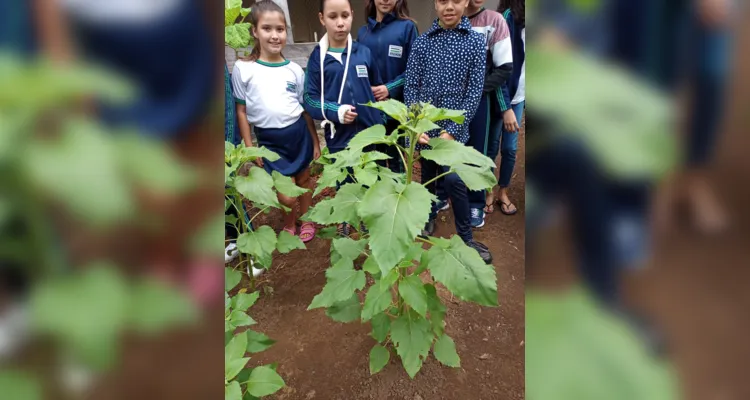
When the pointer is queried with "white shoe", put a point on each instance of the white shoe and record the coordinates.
(14, 329)
(230, 252)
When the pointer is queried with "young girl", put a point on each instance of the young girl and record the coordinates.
(389, 34)
(340, 75)
(514, 94)
(268, 90)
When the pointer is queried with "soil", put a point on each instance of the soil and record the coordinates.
(323, 359)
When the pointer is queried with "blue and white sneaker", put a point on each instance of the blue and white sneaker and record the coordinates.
(443, 205)
(477, 218)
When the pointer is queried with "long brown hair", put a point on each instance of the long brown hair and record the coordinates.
(260, 8)
(517, 8)
(401, 8)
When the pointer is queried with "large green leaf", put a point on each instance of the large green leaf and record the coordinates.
(237, 36)
(379, 357)
(394, 108)
(236, 348)
(288, 242)
(575, 350)
(234, 366)
(476, 178)
(342, 208)
(349, 248)
(260, 243)
(154, 307)
(445, 352)
(240, 318)
(435, 114)
(412, 336)
(412, 291)
(331, 176)
(243, 301)
(462, 271)
(286, 186)
(436, 308)
(381, 326)
(345, 311)
(264, 381)
(394, 217)
(450, 153)
(257, 342)
(342, 281)
(257, 187)
(366, 175)
(372, 135)
(86, 311)
(19, 385)
(233, 391)
(630, 124)
(231, 278)
(377, 300)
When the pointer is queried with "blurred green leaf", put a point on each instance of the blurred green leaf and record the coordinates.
(154, 307)
(19, 385)
(577, 351)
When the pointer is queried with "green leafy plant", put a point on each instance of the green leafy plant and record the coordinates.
(240, 381)
(256, 246)
(62, 171)
(404, 311)
(236, 33)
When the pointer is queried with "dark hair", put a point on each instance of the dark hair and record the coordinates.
(400, 8)
(517, 8)
(323, 4)
(260, 8)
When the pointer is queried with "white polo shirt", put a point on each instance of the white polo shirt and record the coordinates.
(272, 92)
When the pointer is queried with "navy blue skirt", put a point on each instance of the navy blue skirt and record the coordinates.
(293, 144)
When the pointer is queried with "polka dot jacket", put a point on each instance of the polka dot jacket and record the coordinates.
(446, 69)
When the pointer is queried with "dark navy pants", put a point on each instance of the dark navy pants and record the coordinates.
(454, 189)
(479, 139)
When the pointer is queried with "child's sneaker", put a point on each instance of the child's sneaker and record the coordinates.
(443, 205)
(230, 252)
(477, 218)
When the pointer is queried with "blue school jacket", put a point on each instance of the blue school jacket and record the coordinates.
(362, 75)
(390, 42)
(519, 55)
(446, 69)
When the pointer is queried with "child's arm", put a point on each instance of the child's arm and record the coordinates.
(472, 95)
(312, 94)
(414, 74)
(396, 86)
(379, 90)
(244, 124)
(501, 50)
(313, 134)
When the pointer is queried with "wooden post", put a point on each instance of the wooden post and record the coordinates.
(285, 6)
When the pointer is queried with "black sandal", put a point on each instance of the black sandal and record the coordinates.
(507, 205)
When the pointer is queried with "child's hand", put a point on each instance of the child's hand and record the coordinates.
(509, 121)
(424, 139)
(446, 136)
(380, 92)
(316, 152)
(259, 162)
(713, 13)
(350, 115)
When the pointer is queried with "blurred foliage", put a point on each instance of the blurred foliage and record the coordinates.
(63, 171)
(576, 351)
(625, 123)
(236, 33)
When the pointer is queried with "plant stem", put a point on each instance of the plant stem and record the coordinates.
(448, 172)
(426, 241)
(401, 153)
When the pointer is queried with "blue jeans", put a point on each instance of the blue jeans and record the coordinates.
(506, 143)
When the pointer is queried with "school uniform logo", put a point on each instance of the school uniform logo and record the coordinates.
(395, 51)
(291, 87)
(362, 71)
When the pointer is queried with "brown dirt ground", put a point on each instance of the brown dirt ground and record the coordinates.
(323, 359)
